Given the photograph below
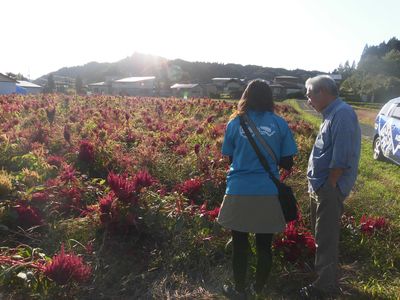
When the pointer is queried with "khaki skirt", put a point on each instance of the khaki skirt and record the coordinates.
(255, 214)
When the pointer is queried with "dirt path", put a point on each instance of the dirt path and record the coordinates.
(367, 131)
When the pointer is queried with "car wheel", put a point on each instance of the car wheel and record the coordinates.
(378, 155)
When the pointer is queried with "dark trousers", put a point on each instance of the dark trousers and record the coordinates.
(240, 253)
(326, 211)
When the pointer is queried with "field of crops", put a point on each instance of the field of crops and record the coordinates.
(106, 197)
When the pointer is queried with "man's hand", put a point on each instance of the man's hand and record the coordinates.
(334, 175)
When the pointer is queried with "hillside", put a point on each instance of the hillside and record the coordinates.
(171, 71)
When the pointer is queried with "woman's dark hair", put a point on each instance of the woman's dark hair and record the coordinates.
(257, 96)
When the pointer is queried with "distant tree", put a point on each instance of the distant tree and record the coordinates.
(392, 63)
(346, 71)
(50, 85)
(18, 76)
(78, 85)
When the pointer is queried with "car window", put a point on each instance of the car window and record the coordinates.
(385, 109)
(396, 112)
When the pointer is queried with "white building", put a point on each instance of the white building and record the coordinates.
(7, 84)
(99, 88)
(130, 86)
(187, 90)
(30, 87)
(134, 86)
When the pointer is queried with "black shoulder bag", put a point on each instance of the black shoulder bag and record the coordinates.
(285, 193)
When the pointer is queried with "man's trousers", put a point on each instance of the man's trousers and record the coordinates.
(326, 211)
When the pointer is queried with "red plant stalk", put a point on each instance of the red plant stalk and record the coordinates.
(6, 260)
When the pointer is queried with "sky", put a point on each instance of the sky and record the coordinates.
(42, 36)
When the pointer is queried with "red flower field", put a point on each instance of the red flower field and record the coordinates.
(129, 187)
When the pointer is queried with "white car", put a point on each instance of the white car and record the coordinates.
(386, 141)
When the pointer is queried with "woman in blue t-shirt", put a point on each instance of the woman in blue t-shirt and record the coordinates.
(251, 199)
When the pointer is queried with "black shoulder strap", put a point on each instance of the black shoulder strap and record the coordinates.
(260, 156)
(257, 133)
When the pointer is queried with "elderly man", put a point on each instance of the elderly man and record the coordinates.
(332, 171)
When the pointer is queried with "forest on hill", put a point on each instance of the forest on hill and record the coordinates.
(377, 75)
(172, 71)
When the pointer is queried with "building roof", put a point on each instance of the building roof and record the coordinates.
(184, 85)
(97, 84)
(286, 77)
(224, 79)
(5, 78)
(135, 79)
(27, 84)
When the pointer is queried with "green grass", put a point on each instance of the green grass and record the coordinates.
(365, 105)
(306, 116)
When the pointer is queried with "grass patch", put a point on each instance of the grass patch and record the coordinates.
(315, 121)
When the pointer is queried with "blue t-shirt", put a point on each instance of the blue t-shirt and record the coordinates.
(246, 174)
(337, 145)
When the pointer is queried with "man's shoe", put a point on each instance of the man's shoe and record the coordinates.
(310, 292)
(231, 293)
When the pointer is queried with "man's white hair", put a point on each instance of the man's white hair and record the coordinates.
(319, 82)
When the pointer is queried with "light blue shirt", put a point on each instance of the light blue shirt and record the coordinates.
(337, 145)
(246, 174)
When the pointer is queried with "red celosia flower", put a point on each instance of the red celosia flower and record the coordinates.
(55, 160)
(67, 174)
(370, 225)
(53, 182)
(86, 151)
(210, 214)
(213, 214)
(123, 187)
(28, 216)
(284, 174)
(65, 268)
(106, 202)
(144, 179)
(200, 130)
(181, 150)
(39, 197)
(297, 243)
(191, 188)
